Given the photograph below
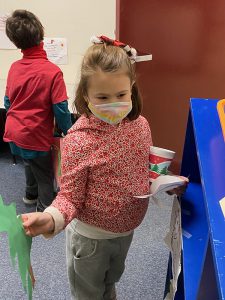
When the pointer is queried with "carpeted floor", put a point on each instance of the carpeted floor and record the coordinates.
(146, 264)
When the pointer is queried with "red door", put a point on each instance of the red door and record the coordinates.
(187, 41)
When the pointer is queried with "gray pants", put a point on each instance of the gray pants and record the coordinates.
(94, 266)
(40, 180)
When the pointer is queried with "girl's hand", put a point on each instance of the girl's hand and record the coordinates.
(179, 191)
(38, 223)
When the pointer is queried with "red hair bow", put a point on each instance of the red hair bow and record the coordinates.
(132, 52)
(112, 42)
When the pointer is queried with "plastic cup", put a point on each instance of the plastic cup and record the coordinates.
(159, 161)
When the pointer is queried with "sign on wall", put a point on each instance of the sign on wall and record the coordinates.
(56, 49)
(5, 43)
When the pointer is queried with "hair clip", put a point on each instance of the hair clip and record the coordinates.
(134, 55)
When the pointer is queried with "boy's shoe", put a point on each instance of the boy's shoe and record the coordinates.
(29, 201)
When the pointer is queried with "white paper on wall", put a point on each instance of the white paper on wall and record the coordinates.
(56, 49)
(5, 43)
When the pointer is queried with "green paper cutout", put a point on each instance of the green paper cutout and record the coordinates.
(19, 243)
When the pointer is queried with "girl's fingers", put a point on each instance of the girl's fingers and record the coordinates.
(38, 223)
(27, 223)
(184, 178)
(24, 217)
(30, 219)
(28, 233)
(31, 232)
(178, 191)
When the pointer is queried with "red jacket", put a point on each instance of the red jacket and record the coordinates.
(103, 168)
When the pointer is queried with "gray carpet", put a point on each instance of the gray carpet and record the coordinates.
(146, 264)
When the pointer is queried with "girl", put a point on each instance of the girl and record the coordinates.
(104, 165)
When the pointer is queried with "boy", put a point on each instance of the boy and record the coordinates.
(35, 94)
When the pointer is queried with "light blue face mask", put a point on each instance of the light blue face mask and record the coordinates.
(111, 113)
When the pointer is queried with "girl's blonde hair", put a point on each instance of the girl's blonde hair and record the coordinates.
(107, 58)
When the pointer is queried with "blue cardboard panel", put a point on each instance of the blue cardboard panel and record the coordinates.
(194, 222)
(202, 219)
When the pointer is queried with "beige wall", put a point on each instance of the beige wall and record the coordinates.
(75, 20)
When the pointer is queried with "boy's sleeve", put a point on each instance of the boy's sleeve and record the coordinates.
(62, 116)
(6, 103)
(6, 97)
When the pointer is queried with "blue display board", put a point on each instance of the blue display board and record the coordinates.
(203, 268)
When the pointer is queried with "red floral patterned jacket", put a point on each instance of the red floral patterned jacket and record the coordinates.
(103, 168)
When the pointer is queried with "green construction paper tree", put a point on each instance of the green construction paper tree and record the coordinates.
(19, 243)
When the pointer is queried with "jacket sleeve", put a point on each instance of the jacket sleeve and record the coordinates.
(72, 195)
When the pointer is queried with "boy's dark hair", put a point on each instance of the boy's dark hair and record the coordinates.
(24, 29)
(106, 58)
